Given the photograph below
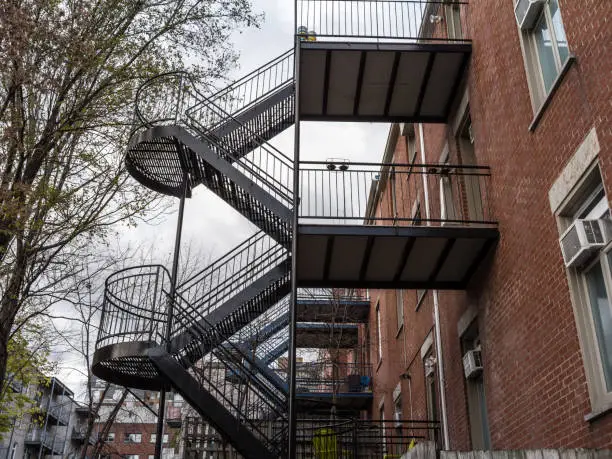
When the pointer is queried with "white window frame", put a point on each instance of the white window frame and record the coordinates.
(533, 66)
(379, 332)
(571, 207)
(137, 437)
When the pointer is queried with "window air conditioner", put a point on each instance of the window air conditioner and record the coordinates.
(583, 238)
(527, 12)
(472, 363)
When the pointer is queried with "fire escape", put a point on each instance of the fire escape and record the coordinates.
(216, 338)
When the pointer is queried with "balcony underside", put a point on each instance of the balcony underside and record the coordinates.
(345, 401)
(409, 82)
(331, 310)
(324, 336)
(409, 257)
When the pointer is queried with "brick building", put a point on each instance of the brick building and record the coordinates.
(133, 432)
(535, 107)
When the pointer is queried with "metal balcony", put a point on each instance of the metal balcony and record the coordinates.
(332, 306)
(380, 60)
(321, 385)
(327, 335)
(44, 440)
(358, 229)
(79, 435)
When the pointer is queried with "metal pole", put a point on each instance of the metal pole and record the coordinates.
(177, 244)
(294, 241)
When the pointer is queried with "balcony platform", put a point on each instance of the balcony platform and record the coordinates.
(328, 310)
(387, 82)
(344, 401)
(398, 257)
(323, 336)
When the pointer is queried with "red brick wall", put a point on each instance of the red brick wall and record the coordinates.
(119, 448)
(534, 376)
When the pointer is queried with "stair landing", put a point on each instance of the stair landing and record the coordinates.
(408, 257)
(387, 82)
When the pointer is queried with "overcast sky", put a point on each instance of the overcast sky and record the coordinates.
(213, 226)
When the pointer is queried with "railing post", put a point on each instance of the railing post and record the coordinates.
(173, 279)
(355, 439)
(293, 306)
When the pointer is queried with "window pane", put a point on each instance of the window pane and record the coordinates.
(559, 31)
(600, 307)
(545, 53)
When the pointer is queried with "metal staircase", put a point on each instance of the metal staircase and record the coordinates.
(219, 141)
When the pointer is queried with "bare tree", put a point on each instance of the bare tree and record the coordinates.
(70, 71)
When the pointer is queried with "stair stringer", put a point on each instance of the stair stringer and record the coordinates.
(241, 438)
(190, 341)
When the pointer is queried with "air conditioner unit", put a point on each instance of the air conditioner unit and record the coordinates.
(397, 417)
(472, 363)
(583, 238)
(527, 12)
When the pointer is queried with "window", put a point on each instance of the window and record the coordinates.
(379, 332)
(110, 437)
(546, 51)
(133, 438)
(597, 278)
(591, 290)
(151, 456)
(132, 456)
(399, 298)
(417, 220)
(431, 397)
(154, 438)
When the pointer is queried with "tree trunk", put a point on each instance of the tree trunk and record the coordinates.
(9, 306)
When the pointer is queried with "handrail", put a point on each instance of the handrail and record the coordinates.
(412, 20)
(184, 105)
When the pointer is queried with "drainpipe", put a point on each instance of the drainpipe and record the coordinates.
(438, 336)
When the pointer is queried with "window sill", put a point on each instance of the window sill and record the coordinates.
(602, 411)
(538, 116)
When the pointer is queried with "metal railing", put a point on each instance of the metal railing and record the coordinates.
(414, 20)
(265, 165)
(247, 91)
(361, 439)
(228, 275)
(60, 412)
(175, 99)
(331, 377)
(251, 400)
(45, 439)
(386, 194)
(333, 294)
(261, 329)
(80, 434)
(135, 306)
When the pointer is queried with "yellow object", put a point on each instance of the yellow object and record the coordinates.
(325, 444)
(412, 444)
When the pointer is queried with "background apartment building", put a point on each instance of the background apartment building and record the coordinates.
(535, 111)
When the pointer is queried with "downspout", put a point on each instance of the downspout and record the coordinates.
(438, 335)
